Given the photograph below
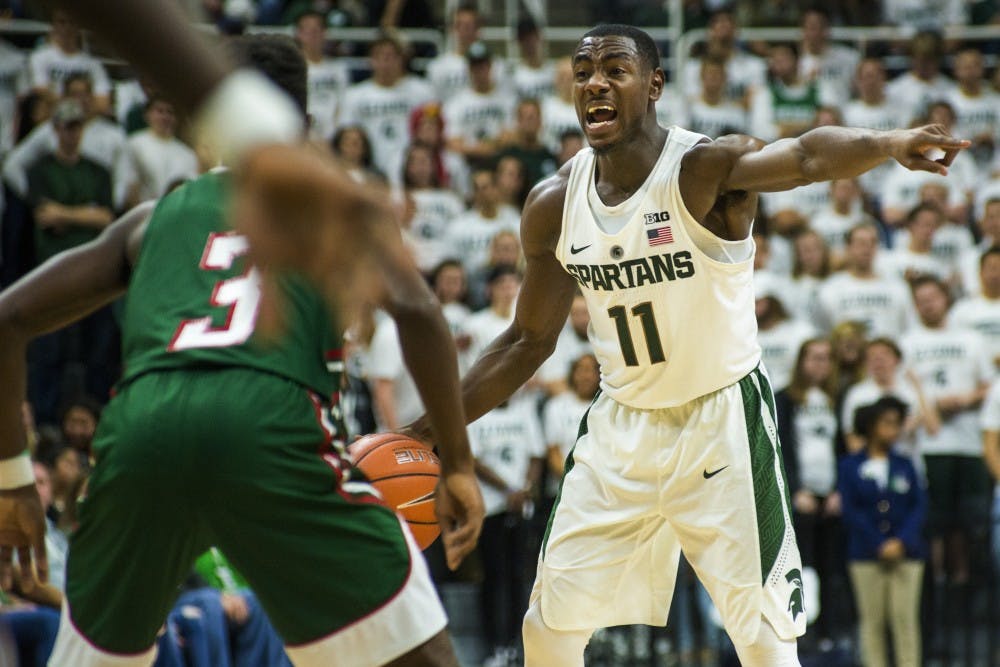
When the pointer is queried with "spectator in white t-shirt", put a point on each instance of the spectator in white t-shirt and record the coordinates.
(469, 235)
(821, 60)
(449, 72)
(486, 324)
(711, 113)
(981, 312)
(872, 109)
(558, 110)
(328, 78)
(434, 206)
(916, 258)
(61, 56)
(923, 83)
(394, 394)
(845, 210)
(477, 114)
(779, 334)
(533, 76)
(449, 284)
(572, 343)
(811, 265)
(744, 71)
(563, 416)
(857, 293)
(977, 106)
(989, 233)
(504, 250)
(159, 159)
(382, 104)
(884, 375)
(956, 373)
(509, 449)
(952, 240)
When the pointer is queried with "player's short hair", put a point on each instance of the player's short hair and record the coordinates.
(866, 416)
(278, 58)
(648, 52)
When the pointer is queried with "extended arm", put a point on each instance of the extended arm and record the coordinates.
(830, 153)
(542, 307)
(743, 164)
(64, 289)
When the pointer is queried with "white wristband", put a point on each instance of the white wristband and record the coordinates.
(245, 110)
(16, 472)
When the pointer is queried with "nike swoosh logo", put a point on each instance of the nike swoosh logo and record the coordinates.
(710, 475)
(573, 249)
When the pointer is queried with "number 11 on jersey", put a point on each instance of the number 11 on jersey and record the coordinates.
(643, 311)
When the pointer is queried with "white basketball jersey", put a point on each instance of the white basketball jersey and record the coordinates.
(668, 323)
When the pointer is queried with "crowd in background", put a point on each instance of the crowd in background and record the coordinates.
(878, 303)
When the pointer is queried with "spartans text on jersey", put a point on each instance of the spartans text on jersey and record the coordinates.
(633, 272)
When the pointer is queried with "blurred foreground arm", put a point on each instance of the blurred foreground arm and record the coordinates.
(300, 211)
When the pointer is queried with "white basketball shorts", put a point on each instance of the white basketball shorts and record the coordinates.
(642, 485)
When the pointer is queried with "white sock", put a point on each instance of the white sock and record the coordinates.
(769, 650)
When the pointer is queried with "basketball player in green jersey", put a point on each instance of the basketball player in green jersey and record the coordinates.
(217, 438)
(679, 449)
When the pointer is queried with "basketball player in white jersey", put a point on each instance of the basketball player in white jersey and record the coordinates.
(679, 448)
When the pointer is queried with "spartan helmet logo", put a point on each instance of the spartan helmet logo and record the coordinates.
(795, 605)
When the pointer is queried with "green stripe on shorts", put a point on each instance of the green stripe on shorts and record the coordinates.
(771, 523)
(583, 430)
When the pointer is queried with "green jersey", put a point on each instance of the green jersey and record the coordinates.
(193, 299)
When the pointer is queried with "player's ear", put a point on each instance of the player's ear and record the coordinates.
(656, 82)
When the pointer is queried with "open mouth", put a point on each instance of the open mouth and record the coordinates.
(600, 113)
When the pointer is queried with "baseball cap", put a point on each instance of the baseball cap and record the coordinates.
(478, 52)
(68, 111)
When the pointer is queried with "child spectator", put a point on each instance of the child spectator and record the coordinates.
(884, 508)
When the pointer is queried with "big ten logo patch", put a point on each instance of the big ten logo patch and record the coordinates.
(406, 455)
(653, 218)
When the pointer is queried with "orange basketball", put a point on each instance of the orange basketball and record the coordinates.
(405, 471)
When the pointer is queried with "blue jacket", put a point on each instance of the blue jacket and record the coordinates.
(874, 515)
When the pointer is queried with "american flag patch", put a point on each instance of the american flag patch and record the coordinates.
(660, 236)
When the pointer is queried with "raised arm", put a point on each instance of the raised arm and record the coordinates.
(62, 290)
